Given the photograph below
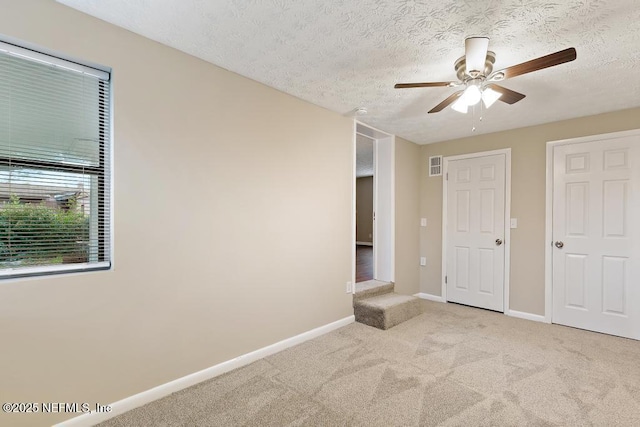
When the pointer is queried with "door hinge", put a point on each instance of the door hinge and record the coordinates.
(445, 280)
(447, 177)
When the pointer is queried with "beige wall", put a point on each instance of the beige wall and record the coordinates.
(528, 153)
(407, 232)
(192, 286)
(364, 209)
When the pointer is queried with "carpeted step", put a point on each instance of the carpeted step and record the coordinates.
(371, 288)
(386, 310)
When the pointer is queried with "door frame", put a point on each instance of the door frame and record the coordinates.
(383, 177)
(507, 217)
(384, 209)
(548, 248)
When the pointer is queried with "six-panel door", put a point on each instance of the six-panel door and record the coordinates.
(596, 215)
(475, 231)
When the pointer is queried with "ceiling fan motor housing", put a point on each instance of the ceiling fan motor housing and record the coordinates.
(461, 67)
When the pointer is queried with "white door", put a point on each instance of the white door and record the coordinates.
(475, 266)
(596, 235)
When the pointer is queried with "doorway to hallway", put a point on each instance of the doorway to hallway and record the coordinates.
(374, 202)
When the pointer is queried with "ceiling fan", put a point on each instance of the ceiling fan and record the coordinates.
(475, 72)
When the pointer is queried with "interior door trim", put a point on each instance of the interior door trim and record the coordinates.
(507, 217)
(548, 248)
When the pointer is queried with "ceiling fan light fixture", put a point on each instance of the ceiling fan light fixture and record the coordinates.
(489, 96)
(472, 95)
(460, 105)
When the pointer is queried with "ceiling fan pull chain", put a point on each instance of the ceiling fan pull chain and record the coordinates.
(473, 118)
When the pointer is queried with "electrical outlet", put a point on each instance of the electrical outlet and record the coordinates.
(423, 261)
(348, 288)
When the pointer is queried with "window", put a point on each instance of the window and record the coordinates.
(54, 164)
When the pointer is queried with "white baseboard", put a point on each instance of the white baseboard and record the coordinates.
(512, 313)
(166, 389)
(430, 297)
(526, 316)
(364, 243)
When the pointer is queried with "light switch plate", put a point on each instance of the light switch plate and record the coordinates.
(514, 222)
(423, 261)
(423, 222)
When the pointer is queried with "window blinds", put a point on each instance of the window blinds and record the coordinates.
(54, 164)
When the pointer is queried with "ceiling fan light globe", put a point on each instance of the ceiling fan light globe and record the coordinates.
(490, 96)
(460, 105)
(472, 95)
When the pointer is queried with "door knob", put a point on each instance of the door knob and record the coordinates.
(559, 244)
(498, 242)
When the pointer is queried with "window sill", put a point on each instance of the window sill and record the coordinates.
(15, 273)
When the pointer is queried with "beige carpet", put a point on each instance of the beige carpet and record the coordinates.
(452, 365)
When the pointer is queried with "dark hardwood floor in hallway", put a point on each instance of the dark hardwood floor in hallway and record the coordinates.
(364, 263)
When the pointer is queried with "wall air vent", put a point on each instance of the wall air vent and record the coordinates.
(435, 166)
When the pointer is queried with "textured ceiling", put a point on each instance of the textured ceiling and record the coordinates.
(343, 54)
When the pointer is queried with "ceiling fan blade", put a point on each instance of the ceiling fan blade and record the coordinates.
(509, 96)
(543, 62)
(431, 84)
(475, 53)
(450, 100)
